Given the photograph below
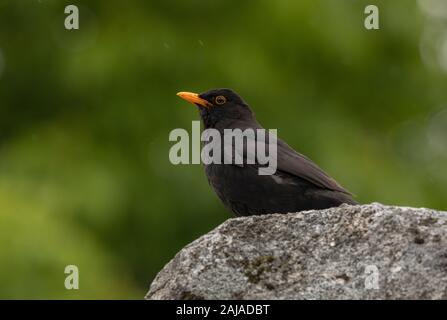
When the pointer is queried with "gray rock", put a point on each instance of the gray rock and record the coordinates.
(351, 252)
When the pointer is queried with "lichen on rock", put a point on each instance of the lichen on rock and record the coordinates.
(349, 252)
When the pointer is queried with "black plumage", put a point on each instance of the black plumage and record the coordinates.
(298, 184)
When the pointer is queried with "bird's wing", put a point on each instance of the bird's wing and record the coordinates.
(289, 161)
(292, 162)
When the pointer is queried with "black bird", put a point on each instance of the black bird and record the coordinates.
(298, 184)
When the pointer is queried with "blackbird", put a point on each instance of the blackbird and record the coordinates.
(298, 184)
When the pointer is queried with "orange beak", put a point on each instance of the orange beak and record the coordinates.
(193, 98)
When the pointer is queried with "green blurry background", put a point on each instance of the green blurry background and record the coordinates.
(85, 116)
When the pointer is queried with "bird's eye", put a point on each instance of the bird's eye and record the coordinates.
(220, 100)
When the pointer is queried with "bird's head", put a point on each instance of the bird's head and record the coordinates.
(219, 105)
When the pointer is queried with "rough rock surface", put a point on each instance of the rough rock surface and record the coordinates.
(351, 252)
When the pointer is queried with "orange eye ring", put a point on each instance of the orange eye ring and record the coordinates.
(220, 100)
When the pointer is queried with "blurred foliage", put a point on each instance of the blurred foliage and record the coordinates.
(85, 116)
